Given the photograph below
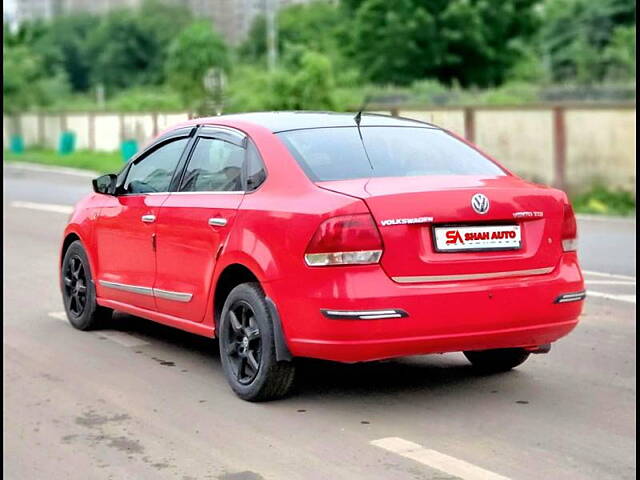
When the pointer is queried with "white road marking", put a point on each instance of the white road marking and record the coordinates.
(609, 282)
(612, 296)
(59, 316)
(51, 169)
(121, 338)
(434, 459)
(47, 207)
(610, 275)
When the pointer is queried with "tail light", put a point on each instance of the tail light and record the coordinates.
(345, 240)
(569, 230)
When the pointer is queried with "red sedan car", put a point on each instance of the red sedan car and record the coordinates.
(299, 234)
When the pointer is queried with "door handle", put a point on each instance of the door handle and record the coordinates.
(217, 222)
(148, 218)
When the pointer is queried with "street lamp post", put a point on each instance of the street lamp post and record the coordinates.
(272, 33)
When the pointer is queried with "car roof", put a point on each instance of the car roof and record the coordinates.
(298, 120)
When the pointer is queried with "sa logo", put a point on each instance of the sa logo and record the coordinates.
(453, 237)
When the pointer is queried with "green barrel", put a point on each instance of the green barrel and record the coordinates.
(16, 144)
(128, 148)
(67, 143)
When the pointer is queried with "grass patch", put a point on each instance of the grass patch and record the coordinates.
(103, 162)
(602, 201)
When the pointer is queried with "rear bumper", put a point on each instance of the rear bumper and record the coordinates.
(440, 317)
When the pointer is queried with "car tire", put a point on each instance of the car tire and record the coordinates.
(246, 341)
(499, 360)
(79, 291)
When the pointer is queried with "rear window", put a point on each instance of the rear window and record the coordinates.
(328, 154)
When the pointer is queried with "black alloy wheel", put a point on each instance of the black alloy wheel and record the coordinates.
(247, 347)
(79, 291)
(243, 342)
(75, 285)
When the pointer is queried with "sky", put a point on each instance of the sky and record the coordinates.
(8, 7)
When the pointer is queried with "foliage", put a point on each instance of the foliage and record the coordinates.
(439, 52)
(146, 99)
(620, 54)
(197, 49)
(601, 200)
(64, 47)
(314, 26)
(309, 85)
(122, 52)
(472, 41)
(575, 35)
(102, 162)
(25, 82)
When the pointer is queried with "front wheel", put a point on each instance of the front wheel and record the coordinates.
(499, 360)
(79, 291)
(247, 347)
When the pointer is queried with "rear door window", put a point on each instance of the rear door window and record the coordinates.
(215, 166)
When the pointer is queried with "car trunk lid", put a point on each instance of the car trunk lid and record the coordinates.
(407, 209)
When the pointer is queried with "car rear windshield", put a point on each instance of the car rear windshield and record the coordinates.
(337, 153)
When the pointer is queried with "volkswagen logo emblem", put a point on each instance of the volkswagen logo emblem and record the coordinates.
(480, 203)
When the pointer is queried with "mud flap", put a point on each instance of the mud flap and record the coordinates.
(282, 350)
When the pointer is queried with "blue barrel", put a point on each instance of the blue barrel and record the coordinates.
(67, 143)
(128, 148)
(16, 144)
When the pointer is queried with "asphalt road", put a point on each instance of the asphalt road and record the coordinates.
(142, 401)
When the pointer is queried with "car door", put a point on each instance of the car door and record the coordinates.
(125, 228)
(195, 221)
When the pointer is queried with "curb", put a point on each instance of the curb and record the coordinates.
(605, 218)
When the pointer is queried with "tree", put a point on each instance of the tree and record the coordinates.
(122, 52)
(25, 81)
(620, 54)
(162, 22)
(63, 47)
(315, 26)
(474, 42)
(576, 33)
(196, 50)
(308, 85)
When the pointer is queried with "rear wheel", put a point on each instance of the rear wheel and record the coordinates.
(499, 360)
(247, 347)
(79, 292)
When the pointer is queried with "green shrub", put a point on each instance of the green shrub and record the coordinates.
(601, 200)
(103, 162)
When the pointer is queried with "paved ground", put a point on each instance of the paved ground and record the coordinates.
(144, 401)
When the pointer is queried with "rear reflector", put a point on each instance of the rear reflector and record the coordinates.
(345, 240)
(364, 314)
(571, 297)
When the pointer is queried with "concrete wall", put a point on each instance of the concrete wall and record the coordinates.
(601, 146)
(522, 140)
(94, 131)
(590, 144)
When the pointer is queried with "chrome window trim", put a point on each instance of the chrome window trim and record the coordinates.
(472, 276)
(151, 292)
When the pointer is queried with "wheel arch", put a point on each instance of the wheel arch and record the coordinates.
(69, 238)
(233, 275)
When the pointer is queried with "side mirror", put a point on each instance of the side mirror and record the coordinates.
(106, 184)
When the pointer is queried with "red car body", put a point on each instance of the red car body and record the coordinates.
(415, 300)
